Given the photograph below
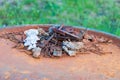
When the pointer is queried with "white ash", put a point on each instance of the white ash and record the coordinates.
(31, 38)
(31, 32)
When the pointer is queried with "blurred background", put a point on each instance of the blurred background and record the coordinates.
(102, 15)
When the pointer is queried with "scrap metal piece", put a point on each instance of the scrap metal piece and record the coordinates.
(57, 52)
(73, 45)
(47, 41)
(50, 30)
(69, 52)
(64, 33)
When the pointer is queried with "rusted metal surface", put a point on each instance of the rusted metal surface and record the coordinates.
(15, 65)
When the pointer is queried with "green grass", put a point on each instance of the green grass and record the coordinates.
(97, 14)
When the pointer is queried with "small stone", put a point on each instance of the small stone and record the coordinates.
(36, 52)
(71, 53)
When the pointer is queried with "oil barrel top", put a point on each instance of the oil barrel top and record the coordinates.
(16, 65)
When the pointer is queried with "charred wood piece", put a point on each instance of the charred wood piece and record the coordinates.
(48, 40)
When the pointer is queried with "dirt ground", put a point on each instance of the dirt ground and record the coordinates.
(16, 65)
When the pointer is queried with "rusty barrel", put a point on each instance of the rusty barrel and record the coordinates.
(16, 65)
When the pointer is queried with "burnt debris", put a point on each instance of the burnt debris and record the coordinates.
(56, 41)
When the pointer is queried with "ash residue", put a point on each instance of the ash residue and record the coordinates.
(55, 42)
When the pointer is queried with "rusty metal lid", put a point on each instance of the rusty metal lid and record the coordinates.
(16, 65)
